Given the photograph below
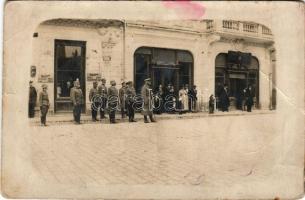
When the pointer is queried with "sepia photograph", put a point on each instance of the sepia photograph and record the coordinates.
(153, 100)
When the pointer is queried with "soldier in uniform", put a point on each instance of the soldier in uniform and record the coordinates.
(102, 91)
(44, 104)
(130, 94)
(32, 100)
(122, 93)
(77, 99)
(93, 98)
(113, 100)
(146, 93)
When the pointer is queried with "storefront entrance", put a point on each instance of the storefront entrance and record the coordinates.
(69, 66)
(237, 72)
(164, 76)
(163, 66)
(237, 84)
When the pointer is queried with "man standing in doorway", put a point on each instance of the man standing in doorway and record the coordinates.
(249, 94)
(93, 98)
(130, 94)
(102, 91)
(77, 99)
(32, 100)
(146, 93)
(224, 99)
(122, 93)
(113, 100)
(192, 99)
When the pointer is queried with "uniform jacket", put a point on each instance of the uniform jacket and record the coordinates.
(112, 96)
(44, 99)
(146, 93)
(130, 94)
(102, 90)
(32, 95)
(93, 93)
(76, 96)
(122, 95)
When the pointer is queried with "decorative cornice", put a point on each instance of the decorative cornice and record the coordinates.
(240, 43)
(84, 23)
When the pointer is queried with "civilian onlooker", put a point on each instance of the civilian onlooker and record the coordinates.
(211, 104)
(32, 100)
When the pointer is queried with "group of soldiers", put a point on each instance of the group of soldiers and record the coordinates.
(112, 99)
(126, 101)
(102, 99)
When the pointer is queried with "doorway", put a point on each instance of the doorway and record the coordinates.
(164, 76)
(237, 86)
(237, 74)
(69, 66)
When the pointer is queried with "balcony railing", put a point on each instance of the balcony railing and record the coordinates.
(234, 25)
(252, 28)
(238, 27)
(266, 31)
(209, 25)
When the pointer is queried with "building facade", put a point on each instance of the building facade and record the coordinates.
(206, 53)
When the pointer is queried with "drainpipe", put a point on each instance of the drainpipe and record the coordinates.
(123, 76)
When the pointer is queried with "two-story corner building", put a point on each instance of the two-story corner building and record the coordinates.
(206, 53)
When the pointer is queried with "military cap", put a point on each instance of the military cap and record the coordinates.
(129, 82)
(148, 79)
(44, 86)
(103, 79)
(123, 82)
(112, 82)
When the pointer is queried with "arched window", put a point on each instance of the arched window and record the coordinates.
(237, 70)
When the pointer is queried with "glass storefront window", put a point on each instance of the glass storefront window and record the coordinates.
(163, 66)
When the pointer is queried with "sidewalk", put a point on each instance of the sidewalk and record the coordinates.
(85, 118)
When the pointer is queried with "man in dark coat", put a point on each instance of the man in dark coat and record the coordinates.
(147, 95)
(224, 99)
(192, 93)
(32, 100)
(249, 94)
(122, 95)
(102, 91)
(77, 99)
(113, 101)
(130, 94)
(93, 98)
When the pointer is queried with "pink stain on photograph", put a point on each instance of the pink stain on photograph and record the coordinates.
(188, 9)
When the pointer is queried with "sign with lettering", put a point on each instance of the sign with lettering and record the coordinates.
(45, 78)
(93, 77)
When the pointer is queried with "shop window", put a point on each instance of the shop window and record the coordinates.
(163, 66)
